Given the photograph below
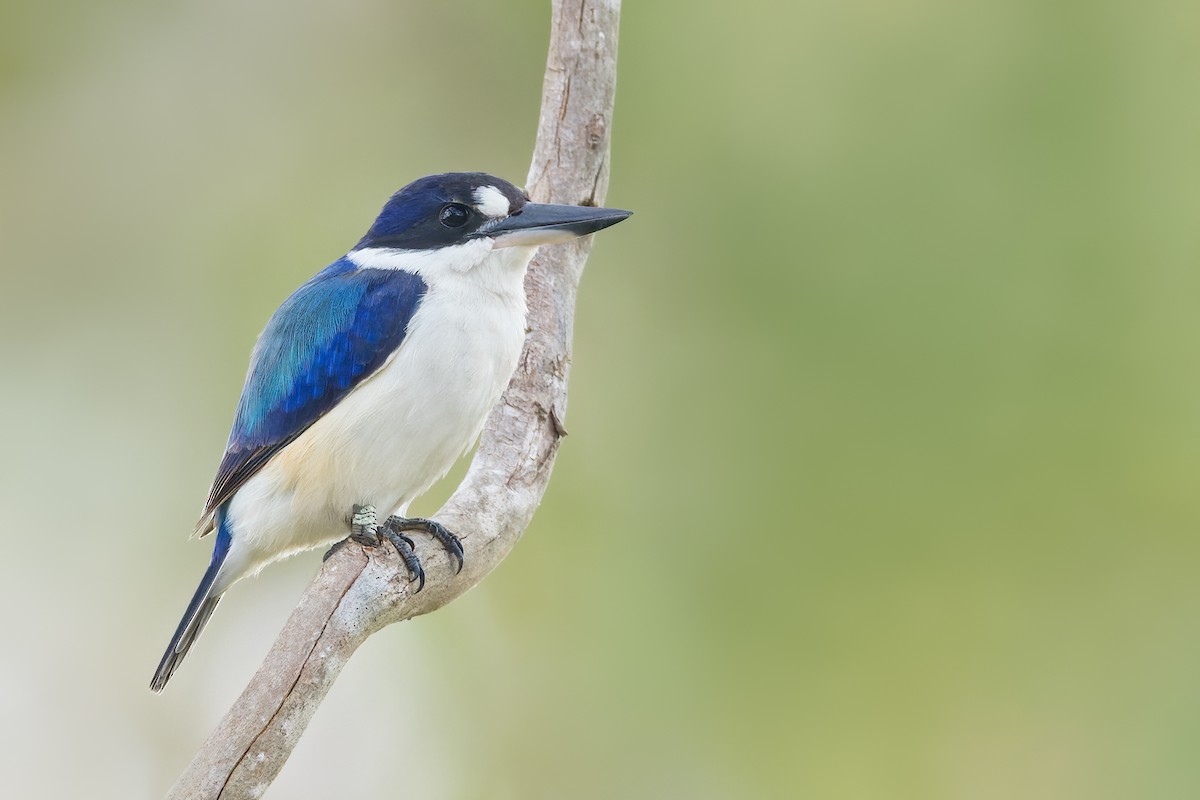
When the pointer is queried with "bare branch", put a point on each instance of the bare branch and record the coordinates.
(358, 592)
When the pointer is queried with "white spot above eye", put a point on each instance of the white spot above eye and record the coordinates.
(491, 202)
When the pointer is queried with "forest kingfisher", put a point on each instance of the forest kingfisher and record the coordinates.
(372, 379)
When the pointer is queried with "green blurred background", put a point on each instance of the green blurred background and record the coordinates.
(885, 416)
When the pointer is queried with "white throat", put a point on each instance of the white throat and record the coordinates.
(457, 258)
(500, 271)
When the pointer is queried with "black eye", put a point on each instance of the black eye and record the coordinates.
(454, 215)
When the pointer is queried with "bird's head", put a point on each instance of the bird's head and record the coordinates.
(459, 218)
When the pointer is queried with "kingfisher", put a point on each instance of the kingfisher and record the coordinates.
(373, 378)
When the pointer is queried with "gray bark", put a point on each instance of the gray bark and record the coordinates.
(358, 592)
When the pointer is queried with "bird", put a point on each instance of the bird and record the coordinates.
(373, 378)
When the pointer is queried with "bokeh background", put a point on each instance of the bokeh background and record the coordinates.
(883, 471)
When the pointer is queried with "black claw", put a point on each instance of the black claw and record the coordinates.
(437, 530)
(365, 539)
(337, 546)
(404, 546)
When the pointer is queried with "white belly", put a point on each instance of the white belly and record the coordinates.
(391, 438)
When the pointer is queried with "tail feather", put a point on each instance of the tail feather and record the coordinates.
(203, 603)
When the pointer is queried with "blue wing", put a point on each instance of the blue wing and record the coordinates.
(331, 334)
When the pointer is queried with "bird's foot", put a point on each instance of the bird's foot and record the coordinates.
(393, 530)
(363, 529)
(367, 532)
(404, 546)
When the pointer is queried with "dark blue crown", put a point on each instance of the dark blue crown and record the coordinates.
(411, 218)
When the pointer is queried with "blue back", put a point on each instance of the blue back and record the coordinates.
(333, 332)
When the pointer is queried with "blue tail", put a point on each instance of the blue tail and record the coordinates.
(204, 602)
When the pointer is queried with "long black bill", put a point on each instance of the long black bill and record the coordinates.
(543, 223)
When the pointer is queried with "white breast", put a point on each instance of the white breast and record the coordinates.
(400, 430)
